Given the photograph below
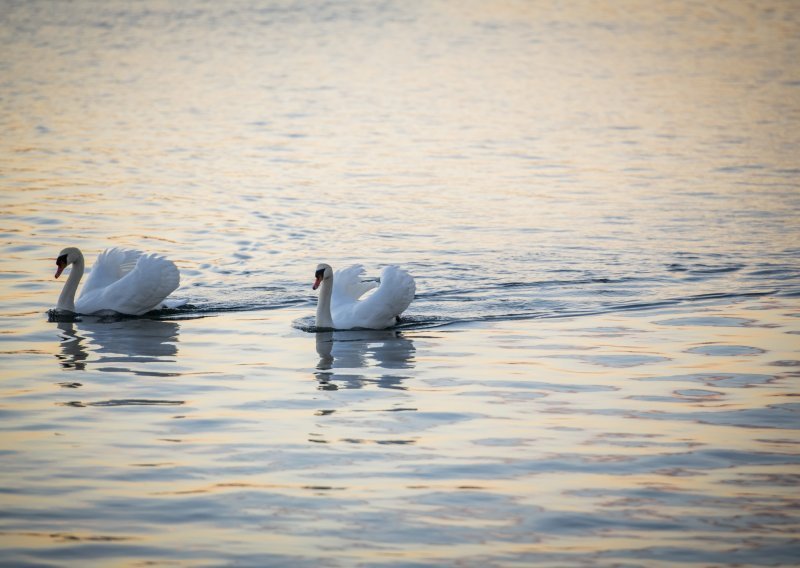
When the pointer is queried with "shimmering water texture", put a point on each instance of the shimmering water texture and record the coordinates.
(599, 202)
(240, 440)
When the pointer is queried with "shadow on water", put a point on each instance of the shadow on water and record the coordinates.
(116, 341)
(341, 352)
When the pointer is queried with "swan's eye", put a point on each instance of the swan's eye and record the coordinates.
(61, 260)
(319, 273)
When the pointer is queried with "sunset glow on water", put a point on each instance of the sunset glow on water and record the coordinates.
(599, 204)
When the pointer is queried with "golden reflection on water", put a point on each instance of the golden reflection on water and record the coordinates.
(541, 392)
(534, 159)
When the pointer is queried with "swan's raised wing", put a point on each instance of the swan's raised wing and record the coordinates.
(349, 284)
(140, 290)
(380, 309)
(396, 290)
(110, 266)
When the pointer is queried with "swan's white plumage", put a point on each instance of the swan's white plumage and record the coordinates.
(110, 266)
(351, 309)
(127, 282)
(136, 291)
(348, 285)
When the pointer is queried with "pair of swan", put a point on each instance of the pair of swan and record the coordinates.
(133, 283)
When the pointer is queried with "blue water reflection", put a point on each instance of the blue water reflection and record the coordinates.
(108, 344)
(343, 353)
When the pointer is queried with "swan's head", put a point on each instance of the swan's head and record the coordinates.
(324, 272)
(67, 257)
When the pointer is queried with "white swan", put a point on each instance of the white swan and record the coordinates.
(340, 307)
(122, 281)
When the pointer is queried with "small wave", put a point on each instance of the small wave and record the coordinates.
(700, 269)
(211, 309)
(706, 269)
(528, 284)
(122, 402)
(566, 312)
(186, 311)
(306, 323)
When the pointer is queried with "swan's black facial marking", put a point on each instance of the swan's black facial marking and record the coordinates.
(61, 263)
(318, 276)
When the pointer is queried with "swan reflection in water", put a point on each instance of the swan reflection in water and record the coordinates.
(115, 342)
(382, 354)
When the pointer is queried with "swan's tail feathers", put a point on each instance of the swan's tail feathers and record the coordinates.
(349, 283)
(145, 287)
(400, 288)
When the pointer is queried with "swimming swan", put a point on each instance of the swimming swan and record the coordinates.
(122, 281)
(340, 307)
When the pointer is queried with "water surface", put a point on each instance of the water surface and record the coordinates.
(600, 207)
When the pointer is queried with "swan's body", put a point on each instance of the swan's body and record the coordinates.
(340, 305)
(121, 281)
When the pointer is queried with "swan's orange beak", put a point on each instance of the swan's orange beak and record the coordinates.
(316, 283)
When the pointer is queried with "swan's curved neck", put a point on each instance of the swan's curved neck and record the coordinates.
(324, 319)
(66, 301)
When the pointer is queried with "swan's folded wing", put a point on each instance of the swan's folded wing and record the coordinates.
(389, 300)
(110, 266)
(348, 284)
(143, 288)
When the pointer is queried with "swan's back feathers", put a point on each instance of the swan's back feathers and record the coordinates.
(348, 284)
(141, 288)
(110, 266)
(380, 309)
(397, 289)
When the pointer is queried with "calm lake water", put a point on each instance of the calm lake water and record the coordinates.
(599, 201)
